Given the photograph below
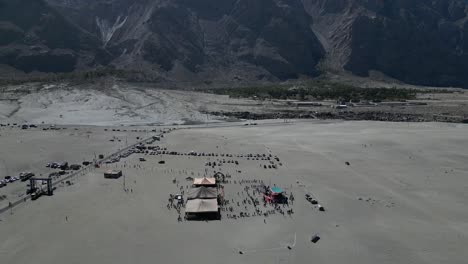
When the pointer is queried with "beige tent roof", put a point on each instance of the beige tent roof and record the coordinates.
(201, 206)
(204, 181)
(202, 193)
(113, 171)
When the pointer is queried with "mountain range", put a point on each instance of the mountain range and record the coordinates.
(422, 42)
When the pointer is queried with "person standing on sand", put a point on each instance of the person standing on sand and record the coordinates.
(66, 218)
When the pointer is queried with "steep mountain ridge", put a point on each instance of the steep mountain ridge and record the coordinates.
(34, 37)
(269, 37)
(416, 41)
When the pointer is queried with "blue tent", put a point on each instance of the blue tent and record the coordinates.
(276, 189)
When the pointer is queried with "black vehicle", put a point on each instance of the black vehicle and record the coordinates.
(24, 176)
(75, 167)
(36, 194)
(63, 166)
(54, 174)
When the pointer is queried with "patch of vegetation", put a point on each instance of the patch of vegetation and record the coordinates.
(320, 90)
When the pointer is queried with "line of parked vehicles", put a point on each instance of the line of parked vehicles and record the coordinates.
(23, 126)
(7, 179)
(65, 166)
(141, 148)
(121, 156)
(23, 176)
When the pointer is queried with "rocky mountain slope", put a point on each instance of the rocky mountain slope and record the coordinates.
(416, 41)
(228, 39)
(35, 37)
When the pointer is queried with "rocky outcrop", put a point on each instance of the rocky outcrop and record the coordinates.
(203, 37)
(34, 37)
(416, 41)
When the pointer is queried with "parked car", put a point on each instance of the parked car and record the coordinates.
(75, 167)
(54, 174)
(54, 165)
(63, 165)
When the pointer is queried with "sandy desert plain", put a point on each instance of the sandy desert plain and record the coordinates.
(403, 198)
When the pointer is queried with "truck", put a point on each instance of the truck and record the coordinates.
(24, 176)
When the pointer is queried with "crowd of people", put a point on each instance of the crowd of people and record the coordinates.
(250, 202)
